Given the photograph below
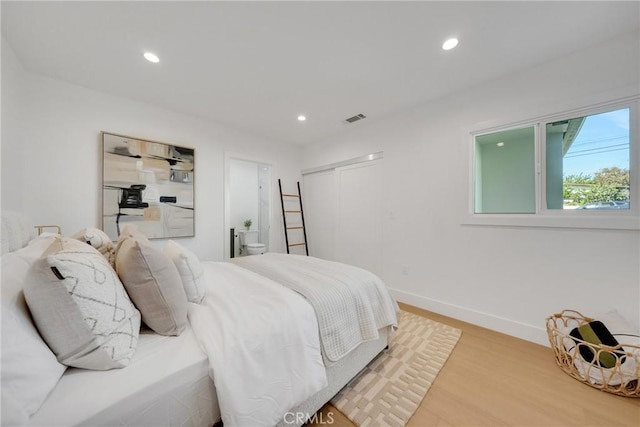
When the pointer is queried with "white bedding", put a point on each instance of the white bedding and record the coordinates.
(262, 365)
(167, 383)
(351, 304)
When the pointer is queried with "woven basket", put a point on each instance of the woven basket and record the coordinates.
(621, 379)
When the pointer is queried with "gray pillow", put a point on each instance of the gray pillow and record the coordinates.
(154, 285)
(81, 308)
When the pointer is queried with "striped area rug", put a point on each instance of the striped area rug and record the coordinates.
(390, 389)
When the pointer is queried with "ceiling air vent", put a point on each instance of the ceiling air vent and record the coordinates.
(355, 118)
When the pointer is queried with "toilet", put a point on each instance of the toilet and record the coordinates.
(255, 249)
(249, 243)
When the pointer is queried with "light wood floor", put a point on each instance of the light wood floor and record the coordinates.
(492, 379)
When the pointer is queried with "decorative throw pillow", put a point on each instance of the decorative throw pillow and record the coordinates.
(154, 285)
(190, 269)
(81, 308)
(99, 240)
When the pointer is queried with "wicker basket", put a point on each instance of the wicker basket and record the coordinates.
(621, 379)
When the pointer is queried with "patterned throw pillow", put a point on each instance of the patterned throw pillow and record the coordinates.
(81, 308)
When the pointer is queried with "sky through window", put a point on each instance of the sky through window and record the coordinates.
(603, 142)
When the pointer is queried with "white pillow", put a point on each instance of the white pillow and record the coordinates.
(36, 247)
(99, 240)
(190, 269)
(81, 308)
(16, 231)
(30, 370)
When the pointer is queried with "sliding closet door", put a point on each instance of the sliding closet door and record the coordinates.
(343, 214)
(319, 198)
(358, 230)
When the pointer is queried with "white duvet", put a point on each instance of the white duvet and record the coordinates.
(262, 364)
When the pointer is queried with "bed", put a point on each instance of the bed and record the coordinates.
(191, 379)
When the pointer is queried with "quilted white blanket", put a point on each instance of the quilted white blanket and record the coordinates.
(351, 303)
(262, 343)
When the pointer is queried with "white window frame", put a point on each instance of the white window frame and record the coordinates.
(623, 219)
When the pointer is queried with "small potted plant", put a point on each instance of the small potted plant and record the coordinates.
(247, 224)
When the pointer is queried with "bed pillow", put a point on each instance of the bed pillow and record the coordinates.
(81, 308)
(30, 370)
(16, 231)
(190, 269)
(99, 240)
(154, 285)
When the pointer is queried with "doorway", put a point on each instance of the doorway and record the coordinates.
(248, 204)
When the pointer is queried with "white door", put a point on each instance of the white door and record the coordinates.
(358, 230)
(319, 199)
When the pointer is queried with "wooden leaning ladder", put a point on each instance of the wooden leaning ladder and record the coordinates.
(296, 212)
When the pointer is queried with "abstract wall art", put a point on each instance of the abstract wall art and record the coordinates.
(149, 184)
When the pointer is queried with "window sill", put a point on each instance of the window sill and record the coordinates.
(624, 221)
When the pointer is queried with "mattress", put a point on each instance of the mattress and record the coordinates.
(167, 383)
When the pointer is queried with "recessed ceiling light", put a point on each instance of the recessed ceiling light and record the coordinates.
(500, 144)
(302, 118)
(151, 57)
(450, 44)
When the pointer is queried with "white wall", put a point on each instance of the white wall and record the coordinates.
(504, 278)
(12, 88)
(51, 154)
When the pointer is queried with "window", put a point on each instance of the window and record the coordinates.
(587, 162)
(505, 171)
(572, 165)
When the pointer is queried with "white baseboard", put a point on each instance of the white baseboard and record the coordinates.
(526, 332)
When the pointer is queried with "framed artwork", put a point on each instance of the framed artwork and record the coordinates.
(149, 184)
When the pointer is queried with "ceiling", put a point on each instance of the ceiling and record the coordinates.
(256, 66)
